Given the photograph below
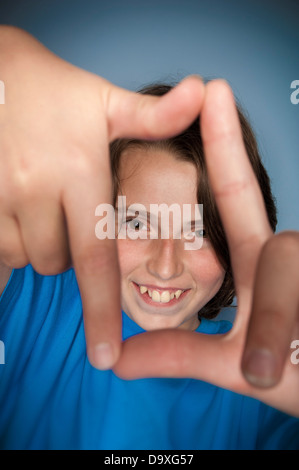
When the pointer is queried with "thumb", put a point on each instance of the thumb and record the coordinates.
(135, 115)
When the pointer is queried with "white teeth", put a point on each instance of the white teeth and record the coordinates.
(164, 297)
(178, 293)
(156, 296)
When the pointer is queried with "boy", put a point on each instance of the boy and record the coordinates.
(54, 398)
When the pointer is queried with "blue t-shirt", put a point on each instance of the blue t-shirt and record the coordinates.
(52, 398)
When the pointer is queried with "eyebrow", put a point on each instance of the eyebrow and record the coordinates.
(132, 213)
(127, 210)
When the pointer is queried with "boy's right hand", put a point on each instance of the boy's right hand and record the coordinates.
(56, 125)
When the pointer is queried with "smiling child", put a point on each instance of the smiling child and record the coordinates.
(52, 397)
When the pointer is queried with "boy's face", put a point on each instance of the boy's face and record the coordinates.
(163, 285)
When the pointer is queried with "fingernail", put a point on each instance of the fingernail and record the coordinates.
(260, 368)
(103, 356)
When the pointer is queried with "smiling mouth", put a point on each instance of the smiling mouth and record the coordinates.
(163, 297)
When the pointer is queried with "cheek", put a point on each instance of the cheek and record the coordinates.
(128, 255)
(207, 269)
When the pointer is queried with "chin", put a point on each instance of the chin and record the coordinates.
(153, 322)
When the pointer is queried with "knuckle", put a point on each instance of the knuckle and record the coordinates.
(233, 189)
(12, 252)
(54, 260)
(13, 259)
(50, 266)
(82, 162)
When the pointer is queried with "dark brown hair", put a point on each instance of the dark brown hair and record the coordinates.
(188, 146)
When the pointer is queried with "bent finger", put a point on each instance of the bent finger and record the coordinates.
(44, 235)
(12, 250)
(274, 311)
(137, 115)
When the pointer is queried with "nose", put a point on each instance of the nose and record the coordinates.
(166, 260)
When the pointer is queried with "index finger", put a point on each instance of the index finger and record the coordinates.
(95, 261)
(234, 184)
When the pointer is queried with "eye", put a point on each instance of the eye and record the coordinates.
(135, 224)
(200, 233)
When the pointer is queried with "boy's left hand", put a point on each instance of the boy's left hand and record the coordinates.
(255, 357)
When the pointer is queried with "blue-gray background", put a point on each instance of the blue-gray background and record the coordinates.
(253, 44)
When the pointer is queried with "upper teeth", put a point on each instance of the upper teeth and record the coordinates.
(164, 297)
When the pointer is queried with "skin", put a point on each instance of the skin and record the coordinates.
(151, 176)
(254, 357)
(56, 126)
(49, 189)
